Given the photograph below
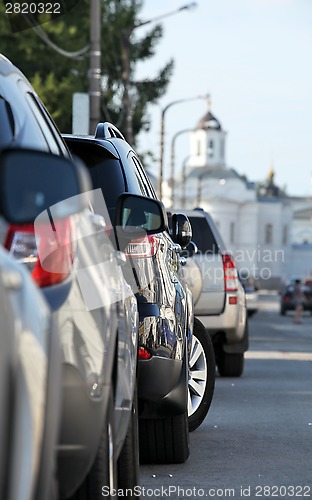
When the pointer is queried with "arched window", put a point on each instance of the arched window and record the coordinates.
(268, 235)
(285, 235)
(210, 148)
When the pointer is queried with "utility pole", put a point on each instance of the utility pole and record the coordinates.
(95, 65)
(126, 73)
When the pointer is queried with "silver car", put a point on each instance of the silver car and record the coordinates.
(221, 301)
(30, 364)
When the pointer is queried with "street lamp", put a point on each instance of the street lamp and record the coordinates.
(172, 183)
(162, 133)
(183, 198)
(187, 6)
(126, 68)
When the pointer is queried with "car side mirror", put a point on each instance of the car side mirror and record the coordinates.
(190, 250)
(138, 216)
(32, 181)
(181, 230)
(135, 211)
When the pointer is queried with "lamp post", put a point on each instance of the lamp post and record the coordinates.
(126, 65)
(162, 134)
(183, 199)
(172, 182)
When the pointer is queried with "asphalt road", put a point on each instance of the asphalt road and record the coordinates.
(256, 440)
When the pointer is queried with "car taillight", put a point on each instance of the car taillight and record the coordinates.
(143, 247)
(230, 273)
(143, 353)
(48, 255)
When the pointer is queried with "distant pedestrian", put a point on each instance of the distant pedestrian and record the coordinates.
(299, 299)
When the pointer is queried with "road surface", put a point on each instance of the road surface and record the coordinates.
(256, 440)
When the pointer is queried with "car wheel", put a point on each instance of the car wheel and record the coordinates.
(128, 461)
(230, 364)
(283, 312)
(102, 478)
(164, 440)
(202, 371)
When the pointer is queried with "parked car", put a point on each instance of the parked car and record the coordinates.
(221, 306)
(165, 305)
(97, 440)
(29, 387)
(202, 366)
(287, 302)
(251, 292)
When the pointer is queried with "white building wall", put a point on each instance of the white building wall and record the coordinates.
(301, 262)
(302, 231)
(197, 149)
(247, 238)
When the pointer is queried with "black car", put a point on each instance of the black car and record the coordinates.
(165, 305)
(97, 446)
(287, 302)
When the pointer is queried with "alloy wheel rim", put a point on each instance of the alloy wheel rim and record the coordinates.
(197, 376)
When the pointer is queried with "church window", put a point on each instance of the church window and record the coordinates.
(210, 148)
(198, 148)
(285, 235)
(268, 238)
(232, 232)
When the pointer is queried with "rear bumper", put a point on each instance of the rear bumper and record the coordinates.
(230, 325)
(162, 387)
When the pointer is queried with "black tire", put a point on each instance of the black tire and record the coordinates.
(283, 312)
(202, 374)
(230, 364)
(164, 440)
(128, 461)
(102, 477)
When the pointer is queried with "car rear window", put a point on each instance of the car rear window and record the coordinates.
(105, 172)
(107, 175)
(203, 236)
(7, 123)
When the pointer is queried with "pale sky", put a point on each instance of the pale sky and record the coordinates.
(254, 57)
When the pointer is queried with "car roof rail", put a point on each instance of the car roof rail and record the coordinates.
(106, 130)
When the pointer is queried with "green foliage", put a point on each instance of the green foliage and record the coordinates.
(56, 78)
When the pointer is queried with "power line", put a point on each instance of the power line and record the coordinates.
(44, 37)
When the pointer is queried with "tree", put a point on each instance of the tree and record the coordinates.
(56, 78)
(126, 100)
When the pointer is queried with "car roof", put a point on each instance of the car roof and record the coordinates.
(88, 139)
(25, 121)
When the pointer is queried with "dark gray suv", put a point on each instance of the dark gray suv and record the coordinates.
(165, 304)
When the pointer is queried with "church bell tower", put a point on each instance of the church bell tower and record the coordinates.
(207, 142)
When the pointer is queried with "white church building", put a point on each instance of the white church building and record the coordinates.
(268, 232)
